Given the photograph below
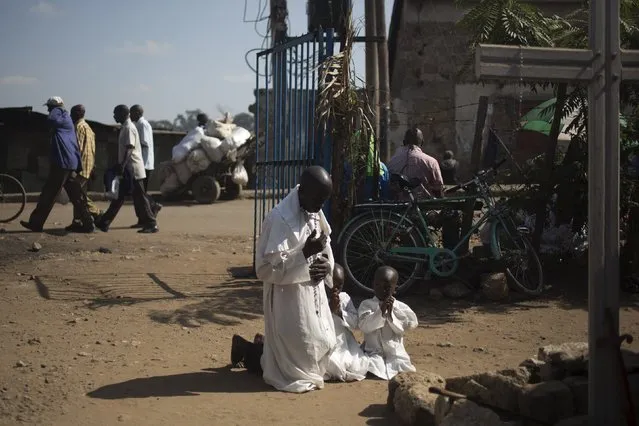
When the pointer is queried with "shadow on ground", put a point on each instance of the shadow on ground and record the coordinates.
(569, 290)
(378, 415)
(232, 303)
(217, 380)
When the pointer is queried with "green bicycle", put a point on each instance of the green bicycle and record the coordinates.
(399, 235)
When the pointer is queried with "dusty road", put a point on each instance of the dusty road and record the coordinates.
(122, 328)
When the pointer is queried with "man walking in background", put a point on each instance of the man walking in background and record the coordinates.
(86, 143)
(145, 131)
(130, 162)
(65, 163)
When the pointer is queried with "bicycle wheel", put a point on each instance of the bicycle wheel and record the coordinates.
(363, 249)
(13, 198)
(522, 265)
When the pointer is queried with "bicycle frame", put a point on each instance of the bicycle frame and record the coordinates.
(410, 254)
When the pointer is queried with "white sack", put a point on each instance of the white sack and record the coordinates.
(183, 172)
(213, 148)
(114, 191)
(197, 161)
(239, 136)
(170, 184)
(240, 176)
(190, 141)
(163, 171)
(221, 130)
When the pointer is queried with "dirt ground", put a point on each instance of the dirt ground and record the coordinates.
(123, 328)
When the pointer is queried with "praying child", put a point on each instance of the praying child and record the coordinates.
(347, 362)
(384, 320)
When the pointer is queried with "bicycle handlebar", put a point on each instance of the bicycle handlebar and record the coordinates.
(479, 174)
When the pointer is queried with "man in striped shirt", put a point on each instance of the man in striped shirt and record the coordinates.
(86, 143)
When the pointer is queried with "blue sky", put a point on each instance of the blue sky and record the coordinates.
(168, 56)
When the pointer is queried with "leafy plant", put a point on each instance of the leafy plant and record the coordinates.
(344, 112)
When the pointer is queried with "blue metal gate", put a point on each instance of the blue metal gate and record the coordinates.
(288, 137)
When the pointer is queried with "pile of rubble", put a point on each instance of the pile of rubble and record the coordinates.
(551, 389)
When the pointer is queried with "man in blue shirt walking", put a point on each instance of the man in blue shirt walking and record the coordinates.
(65, 163)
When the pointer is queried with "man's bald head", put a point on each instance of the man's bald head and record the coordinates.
(315, 188)
(136, 112)
(77, 112)
(121, 113)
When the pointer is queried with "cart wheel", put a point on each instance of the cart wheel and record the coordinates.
(206, 190)
(231, 189)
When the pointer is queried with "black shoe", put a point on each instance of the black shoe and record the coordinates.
(149, 230)
(258, 339)
(90, 229)
(30, 226)
(102, 226)
(238, 350)
(74, 227)
(137, 225)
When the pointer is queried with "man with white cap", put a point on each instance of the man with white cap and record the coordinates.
(65, 163)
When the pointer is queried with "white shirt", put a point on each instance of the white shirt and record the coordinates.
(384, 337)
(129, 138)
(146, 140)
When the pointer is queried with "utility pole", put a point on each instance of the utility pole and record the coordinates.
(384, 83)
(279, 13)
(372, 68)
(279, 32)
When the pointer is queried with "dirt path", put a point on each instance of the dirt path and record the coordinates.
(140, 333)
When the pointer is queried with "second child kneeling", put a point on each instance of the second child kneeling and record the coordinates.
(347, 362)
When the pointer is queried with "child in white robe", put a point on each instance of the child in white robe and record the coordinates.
(384, 320)
(347, 362)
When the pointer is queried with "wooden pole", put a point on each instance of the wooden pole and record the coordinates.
(475, 164)
(603, 214)
(384, 82)
(372, 69)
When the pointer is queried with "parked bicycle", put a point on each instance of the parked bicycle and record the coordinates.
(399, 235)
(13, 198)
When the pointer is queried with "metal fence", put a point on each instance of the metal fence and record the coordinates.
(289, 139)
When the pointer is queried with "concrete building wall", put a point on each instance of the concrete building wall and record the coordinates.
(429, 90)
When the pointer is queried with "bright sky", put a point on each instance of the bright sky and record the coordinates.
(168, 56)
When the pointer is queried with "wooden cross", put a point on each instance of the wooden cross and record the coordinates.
(603, 66)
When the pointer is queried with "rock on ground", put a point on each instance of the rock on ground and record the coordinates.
(456, 290)
(410, 398)
(534, 366)
(579, 387)
(494, 286)
(500, 389)
(561, 361)
(467, 413)
(547, 402)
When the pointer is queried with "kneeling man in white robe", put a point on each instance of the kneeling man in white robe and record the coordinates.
(294, 260)
(348, 362)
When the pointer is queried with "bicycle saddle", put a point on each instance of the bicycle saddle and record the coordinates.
(404, 182)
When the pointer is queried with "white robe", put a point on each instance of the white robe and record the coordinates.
(298, 327)
(384, 337)
(348, 362)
